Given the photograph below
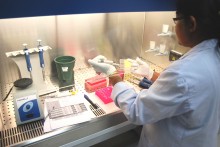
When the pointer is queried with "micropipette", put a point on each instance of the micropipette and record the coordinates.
(27, 58)
(109, 62)
(42, 65)
(88, 99)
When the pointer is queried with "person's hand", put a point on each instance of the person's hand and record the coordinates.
(143, 69)
(99, 58)
(100, 67)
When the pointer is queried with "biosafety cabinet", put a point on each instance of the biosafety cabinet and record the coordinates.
(82, 29)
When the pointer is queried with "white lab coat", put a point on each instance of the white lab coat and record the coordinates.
(182, 107)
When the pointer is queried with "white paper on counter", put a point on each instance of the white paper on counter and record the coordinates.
(52, 124)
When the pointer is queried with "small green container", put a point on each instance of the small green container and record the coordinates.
(64, 66)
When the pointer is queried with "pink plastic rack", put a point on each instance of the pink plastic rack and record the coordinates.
(105, 94)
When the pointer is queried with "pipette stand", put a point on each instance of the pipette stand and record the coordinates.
(27, 104)
(38, 82)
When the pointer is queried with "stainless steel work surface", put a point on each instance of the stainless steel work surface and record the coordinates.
(109, 121)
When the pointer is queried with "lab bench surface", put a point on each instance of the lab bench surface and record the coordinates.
(109, 122)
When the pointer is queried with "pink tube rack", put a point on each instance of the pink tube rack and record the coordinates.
(105, 94)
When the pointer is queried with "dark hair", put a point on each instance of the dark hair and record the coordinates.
(206, 13)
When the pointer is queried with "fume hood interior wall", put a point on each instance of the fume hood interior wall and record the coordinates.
(15, 32)
(153, 27)
(154, 22)
(114, 35)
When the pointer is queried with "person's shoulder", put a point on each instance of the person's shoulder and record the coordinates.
(180, 66)
(192, 69)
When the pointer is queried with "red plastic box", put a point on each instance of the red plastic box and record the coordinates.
(94, 83)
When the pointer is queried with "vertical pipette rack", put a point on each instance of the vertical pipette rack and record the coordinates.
(19, 57)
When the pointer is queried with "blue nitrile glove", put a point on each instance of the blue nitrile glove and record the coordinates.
(145, 83)
(100, 67)
(143, 69)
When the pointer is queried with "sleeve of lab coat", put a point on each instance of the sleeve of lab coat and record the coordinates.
(167, 97)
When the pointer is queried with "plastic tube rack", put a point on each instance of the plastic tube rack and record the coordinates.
(31, 50)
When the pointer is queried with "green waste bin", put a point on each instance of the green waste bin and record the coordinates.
(64, 66)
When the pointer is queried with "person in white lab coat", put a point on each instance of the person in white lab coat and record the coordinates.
(182, 107)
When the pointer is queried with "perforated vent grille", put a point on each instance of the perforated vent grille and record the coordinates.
(98, 112)
(21, 133)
